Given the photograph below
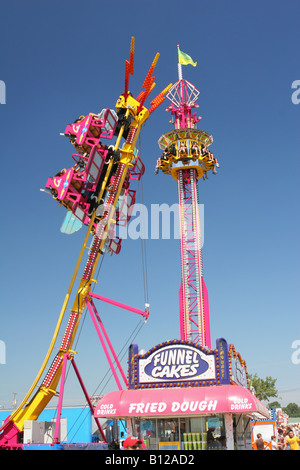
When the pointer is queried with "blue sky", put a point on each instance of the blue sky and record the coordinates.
(61, 59)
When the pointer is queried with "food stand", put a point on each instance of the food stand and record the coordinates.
(182, 396)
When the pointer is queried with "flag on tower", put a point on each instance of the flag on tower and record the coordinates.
(184, 58)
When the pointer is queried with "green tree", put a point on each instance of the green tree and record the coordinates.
(264, 389)
(292, 410)
(275, 404)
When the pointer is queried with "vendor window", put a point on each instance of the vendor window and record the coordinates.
(199, 433)
(158, 434)
(202, 433)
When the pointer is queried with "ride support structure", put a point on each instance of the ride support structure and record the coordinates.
(96, 193)
(186, 158)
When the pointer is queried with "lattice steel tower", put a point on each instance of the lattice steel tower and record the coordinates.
(186, 157)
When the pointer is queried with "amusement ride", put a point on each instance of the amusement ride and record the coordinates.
(97, 193)
(181, 378)
(180, 391)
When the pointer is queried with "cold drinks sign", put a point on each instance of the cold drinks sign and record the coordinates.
(178, 363)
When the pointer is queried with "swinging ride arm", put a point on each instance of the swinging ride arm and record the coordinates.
(34, 403)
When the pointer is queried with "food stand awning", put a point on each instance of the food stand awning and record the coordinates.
(187, 401)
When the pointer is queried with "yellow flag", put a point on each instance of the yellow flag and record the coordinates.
(185, 59)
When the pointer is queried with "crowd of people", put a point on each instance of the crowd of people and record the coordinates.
(288, 438)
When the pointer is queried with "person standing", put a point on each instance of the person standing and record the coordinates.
(260, 444)
(274, 443)
(292, 441)
(131, 443)
(280, 440)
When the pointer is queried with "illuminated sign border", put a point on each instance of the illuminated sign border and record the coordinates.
(218, 371)
(235, 360)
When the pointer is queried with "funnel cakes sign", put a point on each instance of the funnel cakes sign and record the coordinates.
(173, 363)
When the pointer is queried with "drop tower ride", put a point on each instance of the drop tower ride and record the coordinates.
(186, 158)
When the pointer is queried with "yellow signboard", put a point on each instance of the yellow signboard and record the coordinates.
(169, 445)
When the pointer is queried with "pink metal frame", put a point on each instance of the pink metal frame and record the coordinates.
(183, 96)
(103, 336)
(61, 393)
(98, 324)
(102, 332)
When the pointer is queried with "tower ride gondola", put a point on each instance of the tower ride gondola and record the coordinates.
(96, 192)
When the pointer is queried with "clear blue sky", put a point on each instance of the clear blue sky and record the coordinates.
(61, 59)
